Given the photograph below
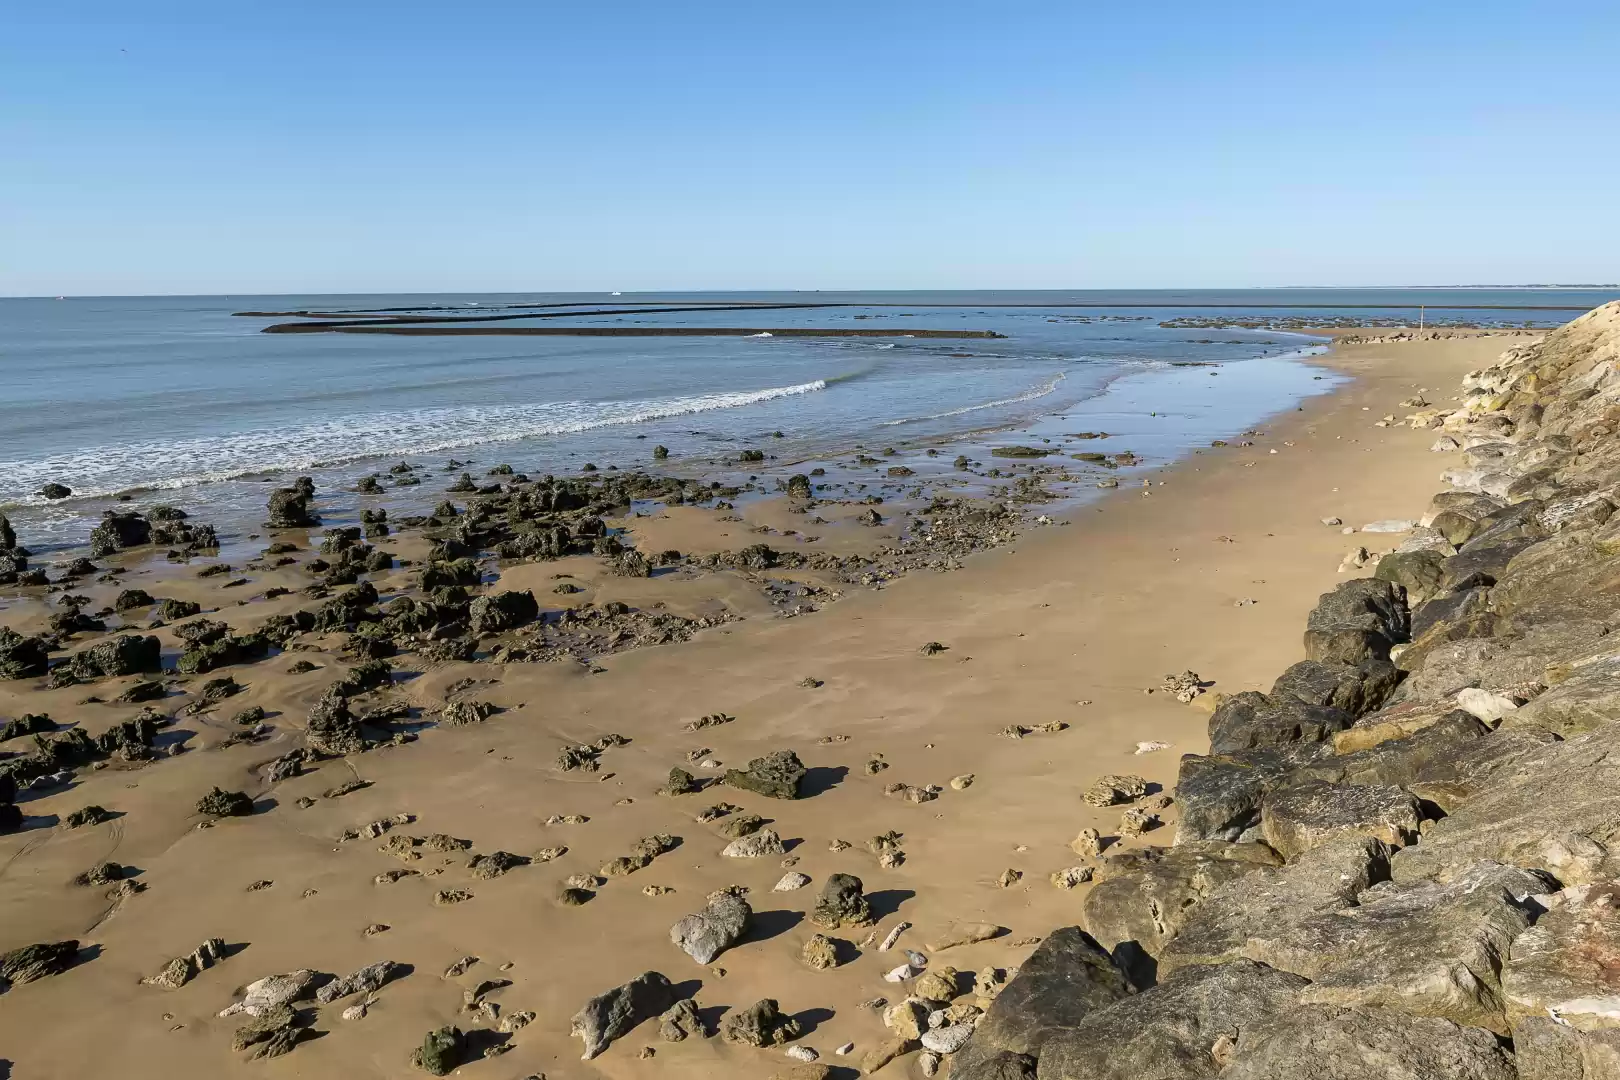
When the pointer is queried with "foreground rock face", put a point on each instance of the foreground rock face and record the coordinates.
(1400, 861)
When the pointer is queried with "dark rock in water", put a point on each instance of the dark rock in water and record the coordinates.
(776, 775)
(118, 531)
(612, 1015)
(8, 535)
(798, 486)
(842, 903)
(26, 724)
(1067, 977)
(441, 1051)
(1142, 897)
(1251, 720)
(1357, 689)
(130, 599)
(22, 657)
(290, 509)
(221, 803)
(1327, 1043)
(1185, 1028)
(762, 1024)
(55, 491)
(716, 928)
(127, 654)
(1359, 620)
(175, 610)
(501, 611)
(13, 566)
(32, 962)
(660, 452)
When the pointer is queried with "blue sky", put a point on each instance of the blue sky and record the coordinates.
(357, 146)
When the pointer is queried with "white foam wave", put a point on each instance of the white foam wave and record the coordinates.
(106, 470)
(1045, 388)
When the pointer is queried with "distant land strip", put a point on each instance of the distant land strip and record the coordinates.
(629, 331)
(372, 315)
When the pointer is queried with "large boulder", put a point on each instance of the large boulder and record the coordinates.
(1323, 1042)
(1142, 896)
(1359, 620)
(1547, 1049)
(1567, 967)
(611, 1015)
(776, 775)
(1065, 978)
(126, 654)
(1301, 816)
(290, 508)
(1251, 720)
(1241, 917)
(501, 611)
(119, 529)
(1552, 807)
(1185, 1028)
(1357, 689)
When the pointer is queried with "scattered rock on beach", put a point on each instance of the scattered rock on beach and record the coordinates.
(1114, 789)
(613, 1014)
(777, 775)
(717, 927)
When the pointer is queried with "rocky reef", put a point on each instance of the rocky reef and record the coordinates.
(1402, 860)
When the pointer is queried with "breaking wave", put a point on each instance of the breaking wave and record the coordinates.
(108, 470)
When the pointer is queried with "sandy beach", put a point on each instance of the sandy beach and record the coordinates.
(1207, 566)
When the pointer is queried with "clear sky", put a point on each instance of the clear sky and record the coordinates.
(169, 147)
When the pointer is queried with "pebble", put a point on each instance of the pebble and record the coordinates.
(355, 1012)
(902, 973)
(847, 1048)
(791, 882)
(756, 845)
(947, 1040)
(1332, 522)
(962, 783)
(1151, 746)
(801, 1053)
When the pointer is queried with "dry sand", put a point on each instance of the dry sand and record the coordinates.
(1210, 568)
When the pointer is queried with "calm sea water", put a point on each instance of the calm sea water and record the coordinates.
(180, 400)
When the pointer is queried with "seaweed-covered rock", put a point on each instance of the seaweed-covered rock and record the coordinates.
(332, 728)
(290, 509)
(119, 529)
(501, 611)
(776, 775)
(26, 724)
(442, 1050)
(842, 903)
(761, 1024)
(126, 654)
(222, 803)
(612, 1015)
(22, 657)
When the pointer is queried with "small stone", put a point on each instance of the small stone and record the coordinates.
(1137, 821)
(1087, 845)
(908, 1019)
(717, 927)
(947, 1040)
(574, 897)
(893, 936)
(966, 934)
(441, 1051)
(928, 1063)
(1073, 877)
(448, 897)
(901, 974)
(962, 783)
(761, 1024)
(757, 845)
(819, 953)
(791, 882)
(842, 903)
(1111, 790)
(354, 1012)
(802, 1053)
(1009, 878)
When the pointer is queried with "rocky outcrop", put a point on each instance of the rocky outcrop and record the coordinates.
(1400, 861)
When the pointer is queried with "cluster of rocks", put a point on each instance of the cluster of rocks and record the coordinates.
(166, 526)
(1400, 860)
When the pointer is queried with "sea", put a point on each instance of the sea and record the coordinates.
(184, 400)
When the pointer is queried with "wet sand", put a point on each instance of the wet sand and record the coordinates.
(1071, 624)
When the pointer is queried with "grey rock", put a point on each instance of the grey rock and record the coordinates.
(1568, 965)
(1143, 896)
(1568, 826)
(681, 1022)
(612, 1015)
(1359, 620)
(1182, 1029)
(1323, 1042)
(1544, 1049)
(1242, 917)
(1251, 720)
(1302, 816)
(1067, 977)
(367, 980)
(1357, 689)
(761, 1024)
(717, 927)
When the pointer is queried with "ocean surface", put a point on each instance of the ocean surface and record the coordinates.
(180, 400)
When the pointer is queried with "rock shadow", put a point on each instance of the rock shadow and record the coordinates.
(886, 902)
(821, 778)
(810, 1019)
(769, 924)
